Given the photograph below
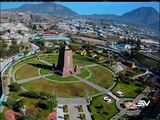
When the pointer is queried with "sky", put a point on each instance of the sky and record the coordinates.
(88, 8)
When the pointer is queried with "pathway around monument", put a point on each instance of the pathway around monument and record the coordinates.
(37, 77)
(14, 73)
(103, 90)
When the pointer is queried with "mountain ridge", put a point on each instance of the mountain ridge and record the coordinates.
(143, 16)
(146, 16)
(45, 8)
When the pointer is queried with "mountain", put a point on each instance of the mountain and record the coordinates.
(101, 16)
(12, 16)
(145, 16)
(46, 8)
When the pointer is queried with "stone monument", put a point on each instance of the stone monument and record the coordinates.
(65, 62)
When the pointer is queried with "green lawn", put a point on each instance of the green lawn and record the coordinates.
(45, 71)
(84, 73)
(26, 71)
(110, 109)
(101, 76)
(59, 78)
(50, 58)
(76, 60)
(81, 62)
(129, 90)
(25, 61)
(31, 106)
(77, 89)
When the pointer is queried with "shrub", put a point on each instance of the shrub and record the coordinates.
(27, 117)
(31, 94)
(42, 105)
(9, 103)
(2, 116)
(14, 87)
(51, 103)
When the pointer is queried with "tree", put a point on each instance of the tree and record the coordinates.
(28, 117)
(51, 103)
(15, 87)
(26, 52)
(19, 32)
(34, 27)
(53, 27)
(14, 48)
(3, 50)
(41, 43)
(50, 50)
(18, 104)
(10, 103)
(2, 116)
(121, 76)
(138, 44)
(8, 30)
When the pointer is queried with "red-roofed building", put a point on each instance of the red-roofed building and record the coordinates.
(52, 116)
(130, 64)
(50, 33)
(11, 115)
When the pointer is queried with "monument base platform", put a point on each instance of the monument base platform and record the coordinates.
(66, 72)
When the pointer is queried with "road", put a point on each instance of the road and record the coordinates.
(152, 56)
(5, 64)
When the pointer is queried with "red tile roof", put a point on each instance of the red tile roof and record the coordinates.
(52, 116)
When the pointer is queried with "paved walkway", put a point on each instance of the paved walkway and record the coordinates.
(4, 63)
(92, 65)
(134, 77)
(32, 78)
(87, 113)
(14, 73)
(81, 101)
(103, 90)
(73, 112)
(124, 111)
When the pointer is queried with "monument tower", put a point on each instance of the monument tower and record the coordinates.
(65, 62)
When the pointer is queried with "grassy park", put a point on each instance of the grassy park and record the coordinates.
(54, 84)
(50, 58)
(56, 77)
(27, 60)
(101, 76)
(77, 89)
(98, 105)
(76, 59)
(26, 71)
(129, 90)
(84, 73)
(45, 71)
(32, 108)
